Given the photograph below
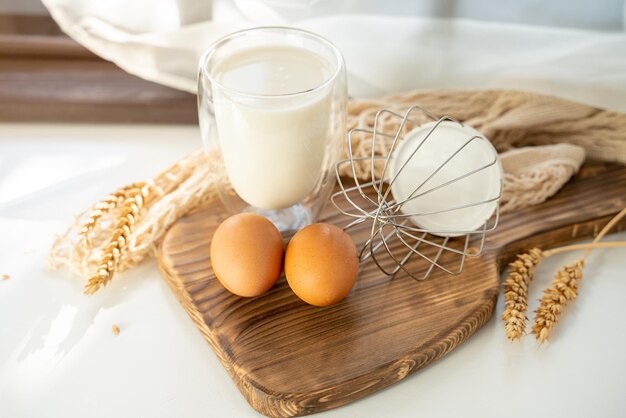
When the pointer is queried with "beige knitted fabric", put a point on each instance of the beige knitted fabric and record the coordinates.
(509, 119)
(532, 174)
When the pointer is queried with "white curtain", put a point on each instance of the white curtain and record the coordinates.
(573, 49)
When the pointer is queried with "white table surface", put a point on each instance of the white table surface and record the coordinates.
(59, 357)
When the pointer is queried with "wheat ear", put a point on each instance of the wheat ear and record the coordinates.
(516, 284)
(564, 287)
(107, 204)
(114, 251)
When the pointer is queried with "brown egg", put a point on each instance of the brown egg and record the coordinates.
(247, 254)
(321, 264)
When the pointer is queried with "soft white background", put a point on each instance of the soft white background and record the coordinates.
(58, 355)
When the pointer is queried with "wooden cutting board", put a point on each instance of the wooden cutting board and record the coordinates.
(288, 358)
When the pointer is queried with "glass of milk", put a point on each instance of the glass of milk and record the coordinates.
(272, 110)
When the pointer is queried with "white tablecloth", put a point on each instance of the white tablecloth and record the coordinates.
(60, 358)
(388, 46)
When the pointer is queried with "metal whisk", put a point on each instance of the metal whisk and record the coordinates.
(396, 235)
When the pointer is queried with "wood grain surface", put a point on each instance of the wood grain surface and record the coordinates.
(45, 76)
(288, 358)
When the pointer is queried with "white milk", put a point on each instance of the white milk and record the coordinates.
(272, 147)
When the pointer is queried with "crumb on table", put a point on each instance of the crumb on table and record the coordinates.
(116, 329)
(5, 277)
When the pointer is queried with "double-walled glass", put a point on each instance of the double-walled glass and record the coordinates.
(272, 111)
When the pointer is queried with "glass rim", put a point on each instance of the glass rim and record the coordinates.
(217, 44)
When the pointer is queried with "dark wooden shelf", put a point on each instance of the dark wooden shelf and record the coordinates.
(47, 77)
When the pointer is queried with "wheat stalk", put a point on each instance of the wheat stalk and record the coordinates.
(101, 208)
(114, 251)
(516, 293)
(564, 288)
